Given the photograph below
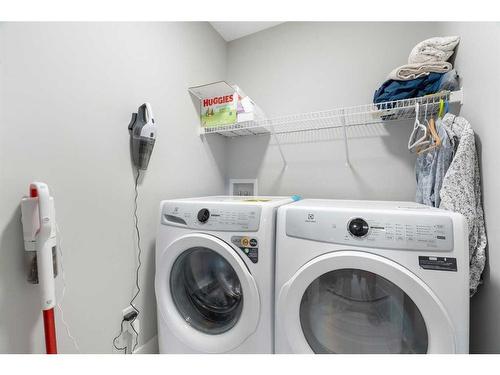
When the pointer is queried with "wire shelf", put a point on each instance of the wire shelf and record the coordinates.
(367, 114)
(256, 127)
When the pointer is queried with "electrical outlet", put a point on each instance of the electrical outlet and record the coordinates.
(243, 187)
(135, 322)
(127, 310)
(131, 329)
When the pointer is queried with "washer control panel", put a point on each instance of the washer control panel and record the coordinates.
(212, 217)
(390, 230)
(248, 245)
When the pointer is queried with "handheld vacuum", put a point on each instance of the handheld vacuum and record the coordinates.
(142, 129)
(39, 231)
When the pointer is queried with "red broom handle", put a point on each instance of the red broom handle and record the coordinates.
(49, 326)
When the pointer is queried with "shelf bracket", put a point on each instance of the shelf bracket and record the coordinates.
(273, 134)
(346, 145)
(457, 96)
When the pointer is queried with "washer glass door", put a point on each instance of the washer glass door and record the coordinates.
(357, 311)
(206, 295)
(206, 290)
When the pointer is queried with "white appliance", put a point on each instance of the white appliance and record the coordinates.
(215, 274)
(371, 277)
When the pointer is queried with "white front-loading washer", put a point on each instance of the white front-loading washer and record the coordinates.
(215, 274)
(371, 277)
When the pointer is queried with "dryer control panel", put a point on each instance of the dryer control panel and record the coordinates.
(390, 230)
(231, 218)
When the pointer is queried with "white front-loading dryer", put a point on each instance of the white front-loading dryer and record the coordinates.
(215, 274)
(371, 277)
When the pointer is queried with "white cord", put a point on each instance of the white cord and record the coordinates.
(59, 301)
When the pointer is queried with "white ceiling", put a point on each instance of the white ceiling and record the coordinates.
(234, 30)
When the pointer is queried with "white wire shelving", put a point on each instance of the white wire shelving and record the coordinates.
(367, 114)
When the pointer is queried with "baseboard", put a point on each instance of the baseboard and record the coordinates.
(150, 347)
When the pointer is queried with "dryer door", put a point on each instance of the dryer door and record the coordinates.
(356, 302)
(206, 294)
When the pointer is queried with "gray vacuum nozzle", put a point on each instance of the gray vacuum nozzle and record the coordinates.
(142, 129)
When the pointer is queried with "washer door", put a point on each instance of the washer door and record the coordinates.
(206, 294)
(356, 302)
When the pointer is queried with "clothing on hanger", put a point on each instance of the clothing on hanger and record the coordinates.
(431, 167)
(461, 191)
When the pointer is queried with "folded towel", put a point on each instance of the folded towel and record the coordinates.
(412, 71)
(397, 90)
(433, 49)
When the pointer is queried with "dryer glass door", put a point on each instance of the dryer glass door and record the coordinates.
(357, 311)
(206, 290)
(357, 302)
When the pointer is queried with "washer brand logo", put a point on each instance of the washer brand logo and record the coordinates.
(310, 218)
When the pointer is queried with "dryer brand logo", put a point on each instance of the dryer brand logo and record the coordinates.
(310, 218)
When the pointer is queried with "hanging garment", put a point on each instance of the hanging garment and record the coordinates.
(433, 49)
(412, 71)
(431, 167)
(397, 90)
(461, 192)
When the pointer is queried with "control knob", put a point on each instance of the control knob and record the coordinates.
(203, 215)
(358, 227)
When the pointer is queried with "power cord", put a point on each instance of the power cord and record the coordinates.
(129, 317)
(63, 293)
(139, 252)
(116, 338)
(132, 316)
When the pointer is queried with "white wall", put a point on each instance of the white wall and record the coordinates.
(478, 62)
(67, 92)
(297, 67)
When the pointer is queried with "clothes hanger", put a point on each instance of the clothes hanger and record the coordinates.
(417, 126)
(441, 108)
(435, 136)
(422, 145)
(428, 140)
(436, 139)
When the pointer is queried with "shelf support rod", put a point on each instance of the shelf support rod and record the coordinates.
(273, 134)
(346, 146)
